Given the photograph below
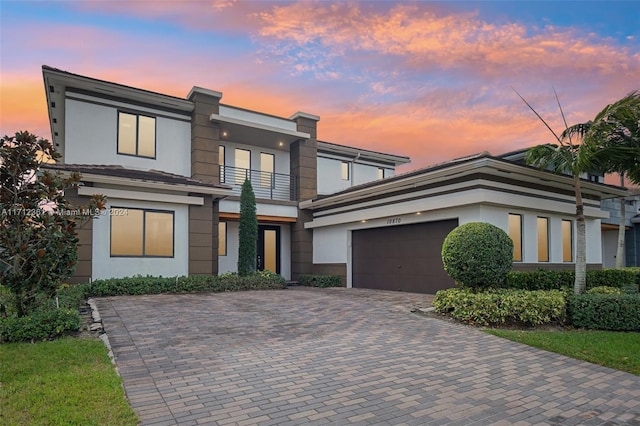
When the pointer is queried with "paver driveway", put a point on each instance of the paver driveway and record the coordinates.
(343, 356)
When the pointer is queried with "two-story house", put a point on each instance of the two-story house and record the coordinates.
(172, 170)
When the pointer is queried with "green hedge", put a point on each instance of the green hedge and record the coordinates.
(605, 311)
(561, 280)
(44, 323)
(501, 306)
(320, 280)
(137, 285)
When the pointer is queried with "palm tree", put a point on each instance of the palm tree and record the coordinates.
(612, 145)
(565, 157)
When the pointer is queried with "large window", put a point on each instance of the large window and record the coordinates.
(567, 241)
(222, 238)
(221, 162)
(345, 170)
(515, 232)
(543, 239)
(136, 135)
(267, 167)
(141, 233)
(242, 164)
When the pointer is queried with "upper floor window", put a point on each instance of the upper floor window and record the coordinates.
(221, 153)
(380, 173)
(141, 233)
(515, 232)
(267, 168)
(136, 135)
(243, 165)
(344, 170)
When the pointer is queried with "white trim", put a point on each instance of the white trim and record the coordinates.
(301, 114)
(203, 91)
(142, 196)
(81, 97)
(229, 120)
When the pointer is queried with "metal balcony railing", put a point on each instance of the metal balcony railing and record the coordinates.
(266, 185)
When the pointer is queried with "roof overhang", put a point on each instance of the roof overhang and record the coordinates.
(118, 181)
(249, 132)
(481, 164)
(362, 154)
(58, 82)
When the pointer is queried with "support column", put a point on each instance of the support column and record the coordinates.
(203, 220)
(304, 162)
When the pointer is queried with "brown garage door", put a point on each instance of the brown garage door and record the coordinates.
(402, 258)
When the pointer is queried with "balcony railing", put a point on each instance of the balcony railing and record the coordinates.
(266, 185)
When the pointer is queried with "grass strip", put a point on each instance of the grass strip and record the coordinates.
(69, 381)
(618, 350)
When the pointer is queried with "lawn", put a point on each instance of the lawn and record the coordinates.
(69, 381)
(619, 350)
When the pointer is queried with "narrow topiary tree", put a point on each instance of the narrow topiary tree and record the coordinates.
(248, 233)
(477, 255)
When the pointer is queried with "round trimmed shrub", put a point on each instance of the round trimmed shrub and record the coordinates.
(477, 255)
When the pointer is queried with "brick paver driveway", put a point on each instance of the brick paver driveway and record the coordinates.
(343, 356)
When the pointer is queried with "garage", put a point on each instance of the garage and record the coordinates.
(402, 257)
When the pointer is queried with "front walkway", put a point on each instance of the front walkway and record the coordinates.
(343, 356)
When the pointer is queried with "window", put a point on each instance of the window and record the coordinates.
(267, 167)
(380, 173)
(141, 233)
(222, 238)
(515, 232)
(243, 165)
(543, 239)
(567, 241)
(136, 135)
(221, 162)
(345, 170)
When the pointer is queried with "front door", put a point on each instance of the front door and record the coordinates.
(268, 248)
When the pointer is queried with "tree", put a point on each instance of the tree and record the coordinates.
(248, 233)
(612, 142)
(565, 158)
(38, 240)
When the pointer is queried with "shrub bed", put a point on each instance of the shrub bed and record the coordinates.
(320, 280)
(619, 312)
(137, 285)
(561, 280)
(502, 306)
(44, 323)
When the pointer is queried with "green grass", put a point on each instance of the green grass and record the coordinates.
(619, 350)
(69, 381)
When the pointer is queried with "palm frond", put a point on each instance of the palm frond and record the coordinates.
(539, 116)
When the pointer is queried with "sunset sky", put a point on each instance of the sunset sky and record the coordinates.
(430, 80)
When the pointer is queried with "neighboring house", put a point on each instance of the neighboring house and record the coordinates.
(632, 231)
(172, 170)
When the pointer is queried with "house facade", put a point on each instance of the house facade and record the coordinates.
(172, 169)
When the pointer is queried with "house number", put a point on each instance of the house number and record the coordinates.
(393, 221)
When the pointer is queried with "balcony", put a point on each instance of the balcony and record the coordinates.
(266, 185)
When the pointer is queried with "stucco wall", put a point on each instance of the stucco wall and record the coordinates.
(105, 266)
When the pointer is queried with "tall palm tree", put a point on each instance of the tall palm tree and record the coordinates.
(612, 145)
(566, 157)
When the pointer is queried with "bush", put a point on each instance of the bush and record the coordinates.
(502, 306)
(139, 285)
(320, 280)
(604, 290)
(544, 279)
(477, 254)
(44, 323)
(619, 312)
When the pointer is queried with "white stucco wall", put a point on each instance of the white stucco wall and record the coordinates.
(331, 243)
(91, 138)
(105, 266)
(609, 248)
(229, 263)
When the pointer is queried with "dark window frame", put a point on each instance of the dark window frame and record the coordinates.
(144, 225)
(226, 234)
(548, 222)
(570, 222)
(520, 216)
(155, 135)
